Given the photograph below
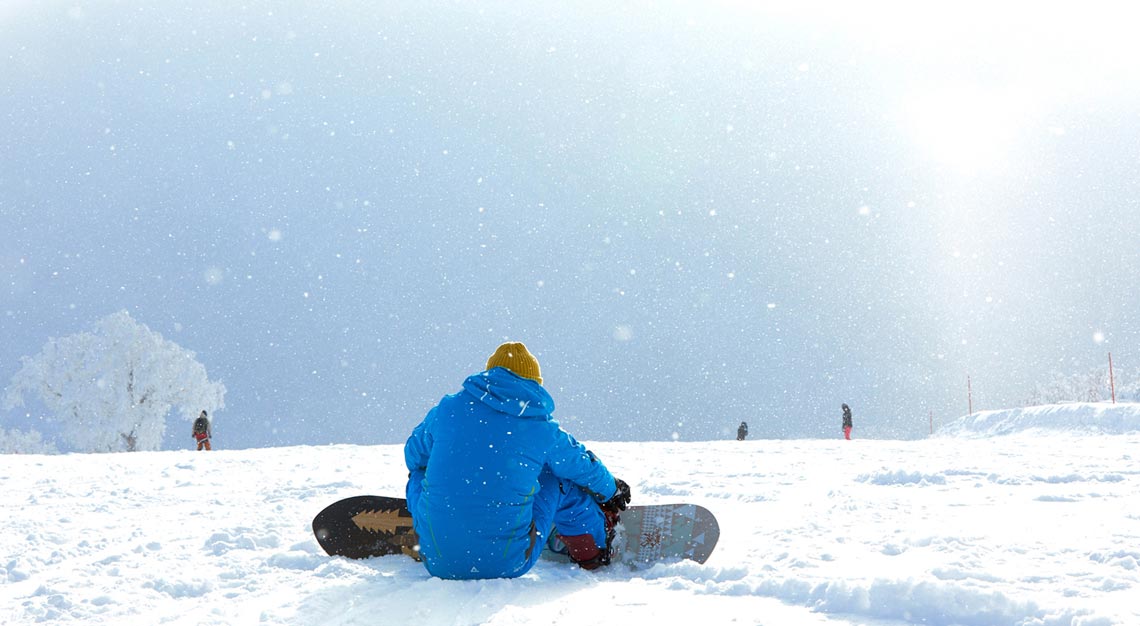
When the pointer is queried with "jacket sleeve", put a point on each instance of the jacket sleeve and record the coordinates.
(417, 450)
(570, 460)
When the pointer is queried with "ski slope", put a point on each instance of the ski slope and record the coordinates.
(1040, 527)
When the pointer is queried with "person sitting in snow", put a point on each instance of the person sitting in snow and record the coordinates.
(742, 431)
(492, 475)
(201, 431)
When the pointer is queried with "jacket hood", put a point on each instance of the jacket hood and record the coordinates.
(506, 392)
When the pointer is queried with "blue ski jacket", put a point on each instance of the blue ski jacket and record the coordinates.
(474, 466)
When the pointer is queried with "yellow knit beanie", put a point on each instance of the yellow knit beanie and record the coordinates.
(515, 357)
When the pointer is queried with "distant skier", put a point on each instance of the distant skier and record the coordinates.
(742, 432)
(201, 431)
(846, 422)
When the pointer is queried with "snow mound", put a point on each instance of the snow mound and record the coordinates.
(1097, 418)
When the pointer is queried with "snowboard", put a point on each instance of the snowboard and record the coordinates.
(361, 527)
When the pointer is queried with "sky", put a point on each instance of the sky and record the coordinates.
(1036, 528)
(693, 213)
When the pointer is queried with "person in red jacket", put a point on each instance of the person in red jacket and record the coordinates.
(201, 431)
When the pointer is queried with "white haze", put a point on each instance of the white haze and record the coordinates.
(695, 213)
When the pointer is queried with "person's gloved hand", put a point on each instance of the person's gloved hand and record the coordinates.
(621, 497)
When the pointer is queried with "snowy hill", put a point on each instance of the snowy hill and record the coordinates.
(1076, 417)
(945, 531)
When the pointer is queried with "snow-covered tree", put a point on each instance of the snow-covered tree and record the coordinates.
(24, 442)
(1127, 385)
(112, 388)
(1093, 386)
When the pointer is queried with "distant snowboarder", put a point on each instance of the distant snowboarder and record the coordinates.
(846, 422)
(201, 431)
(742, 432)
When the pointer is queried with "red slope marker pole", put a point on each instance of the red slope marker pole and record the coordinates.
(1111, 380)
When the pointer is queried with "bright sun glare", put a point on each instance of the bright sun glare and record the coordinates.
(963, 128)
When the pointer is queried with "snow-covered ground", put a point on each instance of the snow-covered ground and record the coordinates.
(1038, 527)
(1098, 418)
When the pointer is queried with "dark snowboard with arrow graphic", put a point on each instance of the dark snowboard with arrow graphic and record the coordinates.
(361, 527)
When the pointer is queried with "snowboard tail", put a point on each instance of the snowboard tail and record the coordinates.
(365, 526)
